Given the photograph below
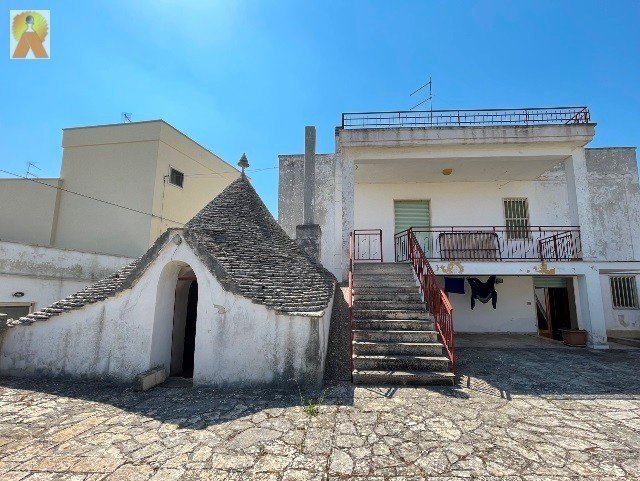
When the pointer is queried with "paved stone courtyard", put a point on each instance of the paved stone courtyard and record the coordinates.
(517, 414)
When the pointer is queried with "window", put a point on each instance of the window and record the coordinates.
(624, 292)
(176, 177)
(516, 217)
(15, 310)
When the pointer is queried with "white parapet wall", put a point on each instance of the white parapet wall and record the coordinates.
(41, 275)
(238, 342)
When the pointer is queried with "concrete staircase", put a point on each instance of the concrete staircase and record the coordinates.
(394, 337)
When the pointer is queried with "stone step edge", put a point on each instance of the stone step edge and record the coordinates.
(427, 332)
(416, 379)
(399, 357)
(399, 343)
(412, 372)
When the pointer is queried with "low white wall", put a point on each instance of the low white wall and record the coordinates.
(515, 310)
(237, 342)
(47, 274)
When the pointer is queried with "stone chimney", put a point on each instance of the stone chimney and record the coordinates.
(308, 234)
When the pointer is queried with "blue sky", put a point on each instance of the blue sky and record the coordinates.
(243, 76)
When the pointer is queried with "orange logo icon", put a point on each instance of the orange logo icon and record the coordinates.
(30, 34)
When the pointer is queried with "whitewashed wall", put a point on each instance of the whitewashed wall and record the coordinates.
(620, 320)
(515, 310)
(47, 274)
(459, 204)
(237, 342)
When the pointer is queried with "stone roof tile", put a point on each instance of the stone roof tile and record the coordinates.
(240, 242)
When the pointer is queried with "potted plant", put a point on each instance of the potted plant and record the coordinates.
(574, 337)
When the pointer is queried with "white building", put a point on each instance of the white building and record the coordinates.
(512, 193)
(120, 187)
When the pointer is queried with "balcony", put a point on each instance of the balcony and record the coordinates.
(465, 118)
(478, 243)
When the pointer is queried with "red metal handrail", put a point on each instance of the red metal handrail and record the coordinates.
(367, 245)
(435, 298)
(350, 302)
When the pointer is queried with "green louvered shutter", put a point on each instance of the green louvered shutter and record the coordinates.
(413, 213)
(539, 281)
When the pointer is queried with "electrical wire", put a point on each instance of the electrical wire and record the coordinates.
(131, 209)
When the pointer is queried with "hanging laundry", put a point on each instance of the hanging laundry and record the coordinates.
(454, 285)
(483, 291)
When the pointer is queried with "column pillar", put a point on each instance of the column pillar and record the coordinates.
(347, 199)
(579, 201)
(591, 317)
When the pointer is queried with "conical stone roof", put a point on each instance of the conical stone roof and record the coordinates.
(242, 245)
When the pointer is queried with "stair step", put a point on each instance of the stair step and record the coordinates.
(400, 362)
(391, 314)
(395, 305)
(378, 289)
(389, 296)
(403, 378)
(395, 336)
(399, 276)
(398, 348)
(382, 267)
(393, 325)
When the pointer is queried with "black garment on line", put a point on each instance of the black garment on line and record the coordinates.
(483, 291)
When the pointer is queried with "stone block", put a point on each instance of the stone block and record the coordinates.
(308, 239)
(148, 379)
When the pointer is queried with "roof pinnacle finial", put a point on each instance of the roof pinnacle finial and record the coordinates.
(243, 163)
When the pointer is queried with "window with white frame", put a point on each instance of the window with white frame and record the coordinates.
(176, 177)
(624, 292)
(516, 217)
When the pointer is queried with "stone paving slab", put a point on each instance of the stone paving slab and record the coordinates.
(538, 414)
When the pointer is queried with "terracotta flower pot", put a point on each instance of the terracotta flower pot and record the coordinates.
(574, 337)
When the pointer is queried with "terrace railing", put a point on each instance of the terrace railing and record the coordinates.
(367, 245)
(460, 118)
(492, 243)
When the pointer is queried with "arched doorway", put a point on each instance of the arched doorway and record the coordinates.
(184, 323)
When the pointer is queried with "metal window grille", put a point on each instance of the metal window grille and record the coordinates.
(176, 177)
(624, 292)
(516, 216)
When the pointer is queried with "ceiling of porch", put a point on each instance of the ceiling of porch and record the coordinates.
(468, 169)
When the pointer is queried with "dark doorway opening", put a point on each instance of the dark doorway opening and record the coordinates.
(555, 306)
(185, 316)
(190, 331)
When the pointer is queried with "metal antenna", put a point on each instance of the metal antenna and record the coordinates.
(29, 166)
(126, 117)
(428, 99)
